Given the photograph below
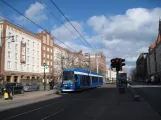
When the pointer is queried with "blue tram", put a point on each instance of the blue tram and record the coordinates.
(77, 79)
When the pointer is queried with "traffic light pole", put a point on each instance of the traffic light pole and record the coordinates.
(117, 81)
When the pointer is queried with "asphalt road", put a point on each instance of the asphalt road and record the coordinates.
(95, 104)
(152, 95)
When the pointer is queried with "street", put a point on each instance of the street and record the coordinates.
(95, 104)
(151, 93)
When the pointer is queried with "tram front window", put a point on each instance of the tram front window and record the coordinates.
(68, 76)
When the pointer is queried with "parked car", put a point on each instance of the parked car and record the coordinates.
(15, 87)
(31, 87)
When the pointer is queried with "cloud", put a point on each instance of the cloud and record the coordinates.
(39, 30)
(125, 35)
(62, 32)
(35, 12)
(129, 34)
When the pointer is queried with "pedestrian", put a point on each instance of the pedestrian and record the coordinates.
(9, 91)
(50, 85)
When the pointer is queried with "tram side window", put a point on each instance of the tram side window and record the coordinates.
(94, 79)
(100, 79)
(88, 80)
(82, 80)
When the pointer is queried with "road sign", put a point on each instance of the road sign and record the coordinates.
(44, 64)
(46, 69)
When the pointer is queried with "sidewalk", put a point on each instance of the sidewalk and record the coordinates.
(26, 98)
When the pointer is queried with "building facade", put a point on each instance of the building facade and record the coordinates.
(21, 55)
(141, 67)
(110, 75)
(47, 50)
(96, 60)
(153, 59)
(64, 58)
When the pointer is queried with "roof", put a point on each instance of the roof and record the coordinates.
(152, 46)
(81, 70)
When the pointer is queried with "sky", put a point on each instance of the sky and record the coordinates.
(118, 28)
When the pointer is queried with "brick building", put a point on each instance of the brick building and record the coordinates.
(47, 51)
(93, 59)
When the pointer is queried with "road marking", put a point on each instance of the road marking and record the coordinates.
(52, 114)
(32, 110)
(141, 86)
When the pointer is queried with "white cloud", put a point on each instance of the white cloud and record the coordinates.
(35, 12)
(124, 36)
(64, 34)
(39, 30)
(129, 34)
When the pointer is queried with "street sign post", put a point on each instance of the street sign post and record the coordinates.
(44, 77)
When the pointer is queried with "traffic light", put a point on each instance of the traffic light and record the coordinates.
(113, 63)
(122, 63)
(117, 62)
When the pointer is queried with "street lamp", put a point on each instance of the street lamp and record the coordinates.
(2, 44)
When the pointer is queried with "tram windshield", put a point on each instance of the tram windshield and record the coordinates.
(68, 76)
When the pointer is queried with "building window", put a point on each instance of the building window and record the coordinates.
(16, 65)
(9, 54)
(51, 50)
(16, 37)
(27, 58)
(51, 57)
(28, 42)
(48, 56)
(33, 59)
(48, 49)
(16, 47)
(33, 44)
(51, 42)
(16, 56)
(21, 67)
(43, 60)
(9, 64)
(43, 47)
(44, 55)
(27, 67)
(33, 67)
(44, 39)
(51, 63)
(22, 39)
(47, 62)
(9, 45)
(23, 57)
(28, 50)
(38, 58)
(23, 49)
